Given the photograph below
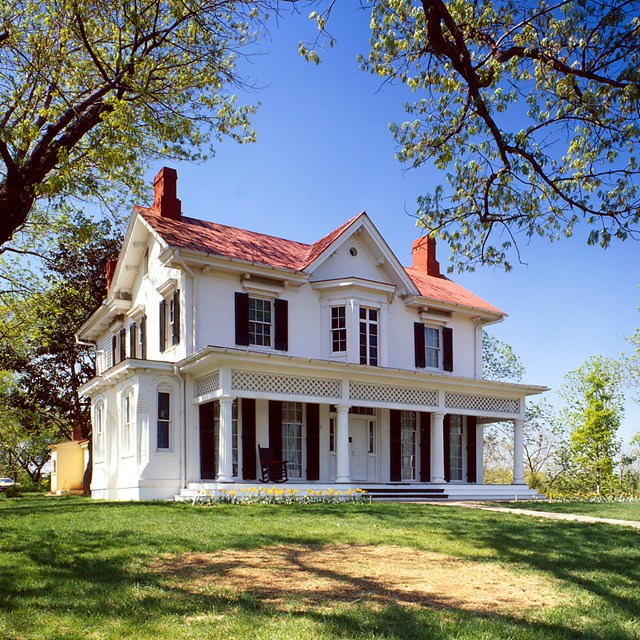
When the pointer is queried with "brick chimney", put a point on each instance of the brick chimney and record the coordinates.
(165, 189)
(111, 270)
(423, 255)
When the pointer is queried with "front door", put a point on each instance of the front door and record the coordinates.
(358, 438)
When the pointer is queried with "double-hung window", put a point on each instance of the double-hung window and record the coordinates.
(432, 347)
(292, 437)
(169, 320)
(260, 321)
(98, 424)
(339, 329)
(369, 336)
(127, 422)
(164, 420)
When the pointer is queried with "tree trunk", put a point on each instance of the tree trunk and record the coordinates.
(16, 201)
(88, 472)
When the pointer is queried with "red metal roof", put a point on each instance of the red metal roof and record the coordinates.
(230, 242)
(444, 290)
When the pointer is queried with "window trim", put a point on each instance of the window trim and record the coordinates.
(127, 422)
(368, 324)
(168, 420)
(98, 425)
(270, 324)
(338, 329)
(438, 350)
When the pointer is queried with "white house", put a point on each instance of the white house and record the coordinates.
(357, 371)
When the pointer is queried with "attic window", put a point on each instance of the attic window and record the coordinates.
(353, 252)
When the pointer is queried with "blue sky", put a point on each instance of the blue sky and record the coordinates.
(324, 153)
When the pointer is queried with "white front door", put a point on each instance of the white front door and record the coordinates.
(358, 434)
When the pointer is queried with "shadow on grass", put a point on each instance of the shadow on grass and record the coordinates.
(92, 561)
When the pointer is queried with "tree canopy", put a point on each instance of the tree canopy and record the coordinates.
(529, 109)
(91, 92)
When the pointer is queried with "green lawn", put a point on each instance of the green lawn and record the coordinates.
(73, 568)
(617, 510)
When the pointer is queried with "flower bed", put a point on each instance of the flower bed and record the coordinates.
(277, 495)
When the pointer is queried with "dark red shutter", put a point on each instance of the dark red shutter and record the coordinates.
(447, 348)
(162, 313)
(207, 442)
(395, 446)
(313, 441)
(281, 313)
(418, 340)
(425, 447)
(175, 337)
(275, 428)
(123, 344)
(472, 468)
(248, 439)
(143, 337)
(114, 350)
(447, 447)
(133, 341)
(242, 318)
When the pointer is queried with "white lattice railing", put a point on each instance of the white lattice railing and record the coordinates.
(285, 385)
(488, 404)
(207, 384)
(397, 395)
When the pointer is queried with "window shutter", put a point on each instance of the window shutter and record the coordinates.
(395, 448)
(162, 319)
(242, 318)
(425, 447)
(207, 441)
(143, 337)
(447, 448)
(418, 338)
(175, 337)
(472, 470)
(281, 313)
(447, 348)
(313, 441)
(248, 439)
(133, 341)
(114, 350)
(123, 344)
(275, 428)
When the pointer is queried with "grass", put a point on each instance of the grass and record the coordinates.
(72, 568)
(618, 510)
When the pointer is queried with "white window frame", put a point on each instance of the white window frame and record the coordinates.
(98, 425)
(235, 437)
(433, 349)
(455, 422)
(254, 323)
(334, 330)
(127, 422)
(408, 424)
(293, 430)
(368, 334)
(168, 420)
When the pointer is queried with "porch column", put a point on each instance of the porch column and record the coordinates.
(342, 444)
(225, 448)
(518, 452)
(437, 447)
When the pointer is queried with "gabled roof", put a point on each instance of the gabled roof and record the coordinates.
(444, 290)
(231, 242)
(240, 244)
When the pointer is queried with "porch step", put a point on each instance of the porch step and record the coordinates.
(405, 494)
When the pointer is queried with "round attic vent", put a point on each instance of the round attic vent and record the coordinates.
(353, 252)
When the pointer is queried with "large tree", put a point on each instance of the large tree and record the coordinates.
(92, 91)
(528, 108)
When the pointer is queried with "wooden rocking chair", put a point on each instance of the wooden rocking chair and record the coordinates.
(272, 470)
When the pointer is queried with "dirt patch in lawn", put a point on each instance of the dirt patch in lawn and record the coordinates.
(377, 575)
